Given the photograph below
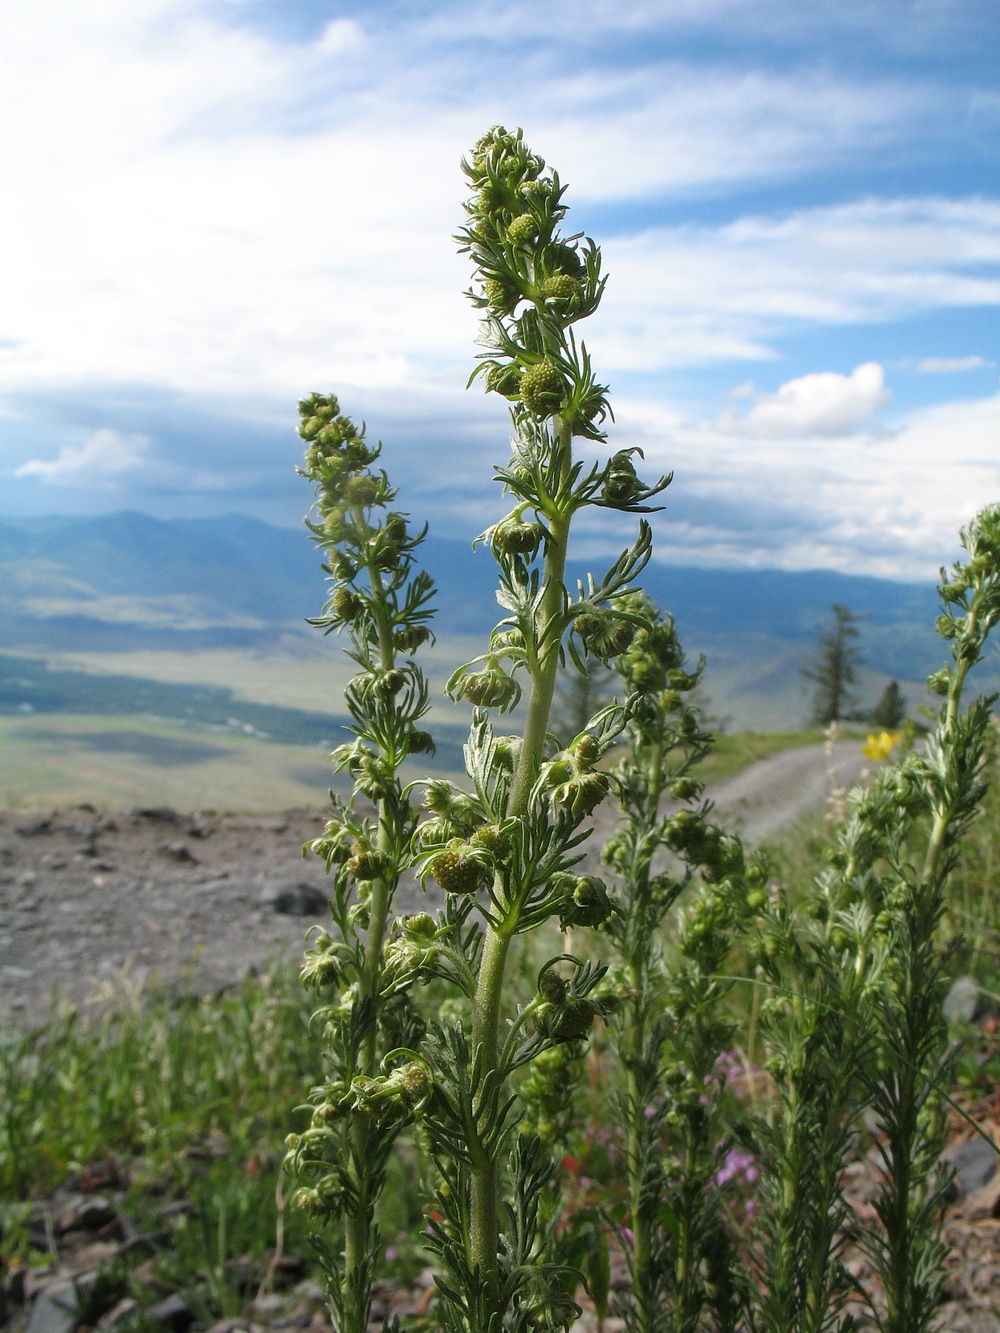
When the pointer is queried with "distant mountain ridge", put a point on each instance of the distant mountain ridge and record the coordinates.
(128, 580)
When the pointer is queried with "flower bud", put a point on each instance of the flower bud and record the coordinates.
(416, 1081)
(686, 789)
(543, 389)
(584, 794)
(456, 871)
(346, 604)
(565, 258)
(361, 491)
(419, 742)
(589, 905)
(552, 987)
(575, 1019)
(421, 926)
(389, 683)
(506, 752)
(561, 290)
(366, 863)
(505, 380)
(523, 228)
(499, 296)
(492, 840)
(373, 778)
(621, 485)
(586, 749)
(939, 682)
(512, 536)
(490, 688)
(410, 637)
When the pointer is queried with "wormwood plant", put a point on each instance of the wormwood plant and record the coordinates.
(372, 1082)
(423, 1018)
(854, 1019)
(672, 1026)
(501, 853)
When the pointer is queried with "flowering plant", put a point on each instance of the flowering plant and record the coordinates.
(848, 975)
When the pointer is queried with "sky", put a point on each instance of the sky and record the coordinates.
(213, 207)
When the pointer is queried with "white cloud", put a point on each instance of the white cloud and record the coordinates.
(820, 404)
(103, 454)
(888, 505)
(949, 365)
(205, 208)
(690, 295)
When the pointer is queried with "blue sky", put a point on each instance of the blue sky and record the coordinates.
(215, 206)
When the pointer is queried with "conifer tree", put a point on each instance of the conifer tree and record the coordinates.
(833, 668)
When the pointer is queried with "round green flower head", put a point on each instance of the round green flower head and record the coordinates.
(523, 228)
(456, 871)
(562, 289)
(543, 389)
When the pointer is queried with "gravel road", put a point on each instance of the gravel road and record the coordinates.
(90, 902)
(775, 792)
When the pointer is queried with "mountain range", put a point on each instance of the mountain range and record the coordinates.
(127, 581)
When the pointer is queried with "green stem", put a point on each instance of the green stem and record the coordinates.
(484, 1229)
(358, 1220)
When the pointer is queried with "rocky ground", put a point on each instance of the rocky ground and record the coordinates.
(90, 901)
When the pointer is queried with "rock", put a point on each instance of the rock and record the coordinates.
(179, 1208)
(34, 826)
(88, 1213)
(16, 1285)
(90, 1257)
(963, 1003)
(172, 1313)
(974, 1162)
(269, 1302)
(298, 900)
(179, 851)
(97, 1176)
(6, 856)
(123, 1310)
(54, 1310)
(150, 1241)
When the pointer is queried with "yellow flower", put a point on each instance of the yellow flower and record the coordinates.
(880, 747)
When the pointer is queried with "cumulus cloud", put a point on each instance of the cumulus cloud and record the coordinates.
(105, 453)
(824, 404)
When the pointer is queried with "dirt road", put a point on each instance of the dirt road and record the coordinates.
(775, 792)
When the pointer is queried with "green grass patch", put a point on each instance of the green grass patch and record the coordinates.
(732, 754)
(187, 1099)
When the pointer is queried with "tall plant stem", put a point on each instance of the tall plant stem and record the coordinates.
(357, 1236)
(484, 1232)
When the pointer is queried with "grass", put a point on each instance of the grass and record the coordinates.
(194, 1099)
(732, 754)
